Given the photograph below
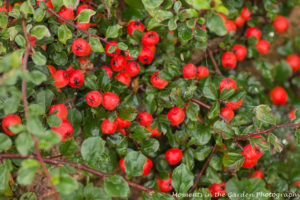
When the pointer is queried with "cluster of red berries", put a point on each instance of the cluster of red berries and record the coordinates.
(251, 154)
(230, 58)
(190, 71)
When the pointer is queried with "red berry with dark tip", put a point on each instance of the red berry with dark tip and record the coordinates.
(257, 174)
(108, 127)
(94, 98)
(65, 130)
(165, 185)
(110, 100)
(294, 61)
(189, 71)
(278, 96)
(61, 78)
(202, 72)
(108, 71)
(76, 78)
(253, 32)
(123, 78)
(118, 63)
(135, 25)
(227, 83)
(217, 190)
(132, 69)
(252, 153)
(81, 47)
(229, 60)
(176, 116)
(240, 52)
(10, 120)
(234, 105)
(144, 118)
(122, 123)
(158, 82)
(227, 113)
(66, 13)
(281, 24)
(117, 49)
(173, 156)
(246, 14)
(146, 55)
(60, 110)
(239, 21)
(263, 46)
(150, 38)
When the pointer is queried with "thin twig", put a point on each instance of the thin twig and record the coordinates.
(77, 27)
(24, 95)
(122, 4)
(199, 175)
(214, 62)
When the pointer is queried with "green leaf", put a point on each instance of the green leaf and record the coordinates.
(209, 90)
(286, 49)
(199, 4)
(38, 58)
(233, 161)
(24, 143)
(4, 178)
(96, 45)
(39, 14)
(72, 4)
(192, 111)
(63, 182)
(20, 40)
(5, 142)
(37, 77)
(297, 42)
(116, 186)
(53, 121)
(113, 31)
(135, 3)
(134, 163)
(35, 109)
(182, 179)
(68, 147)
(3, 19)
(223, 129)
(275, 142)
(150, 146)
(44, 98)
(225, 94)
(216, 24)
(57, 4)
(177, 6)
(201, 194)
(27, 8)
(263, 114)
(150, 4)
(128, 112)
(160, 196)
(64, 33)
(139, 132)
(28, 196)
(40, 31)
(27, 171)
(85, 15)
(202, 152)
(97, 193)
(92, 148)
(214, 111)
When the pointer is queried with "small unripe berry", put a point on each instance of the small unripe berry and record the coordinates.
(110, 100)
(135, 25)
(81, 47)
(108, 127)
(227, 113)
(240, 52)
(60, 110)
(150, 38)
(10, 120)
(176, 116)
(158, 82)
(294, 61)
(118, 63)
(61, 78)
(227, 83)
(65, 130)
(123, 78)
(117, 49)
(202, 72)
(132, 69)
(189, 71)
(246, 14)
(281, 24)
(278, 96)
(122, 123)
(94, 98)
(76, 78)
(165, 185)
(263, 46)
(146, 55)
(144, 118)
(173, 156)
(229, 60)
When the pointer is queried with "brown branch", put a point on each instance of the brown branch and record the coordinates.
(77, 166)
(77, 27)
(24, 95)
(122, 4)
(199, 175)
(214, 62)
(245, 137)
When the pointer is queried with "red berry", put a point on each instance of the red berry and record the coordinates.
(147, 167)
(173, 156)
(248, 163)
(294, 61)
(61, 78)
(135, 25)
(51, 69)
(230, 26)
(252, 153)
(176, 115)
(108, 71)
(76, 78)
(83, 7)
(234, 105)
(189, 71)
(154, 132)
(122, 131)
(253, 32)
(292, 114)
(81, 47)
(94, 98)
(227, 113)
(227, 83)
(246, 14)
(123, 78)
(65, 130)
(165, 185)
(110, 100)
(122, 164)
(240, 52)
(108, 127)
(152, 48)
(297, 183)
(144, 118)
(10, 120)
(132, 69)
(122, 123)
(118, 63)
(83, 25)
(239, 21)
(217, 190)
(32, 40)
(281, 24)
(278, 96)
(60, 110)
(117, 50)
(257, 174)
(263, 46)
(150, 38)
(48, 3)
(66, 13)
(202, 72)
(70, 70)
(158, 82)
(229, 60)
(146, 55)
